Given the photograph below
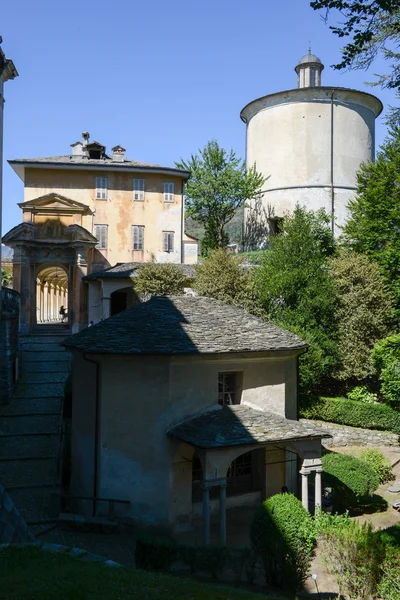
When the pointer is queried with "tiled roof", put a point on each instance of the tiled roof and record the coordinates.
(130, 270)
(241, 425)
(183, 325)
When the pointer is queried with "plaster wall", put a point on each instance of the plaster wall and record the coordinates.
(289, 137)
(120, 211)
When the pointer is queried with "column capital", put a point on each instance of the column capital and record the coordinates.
(206, 484)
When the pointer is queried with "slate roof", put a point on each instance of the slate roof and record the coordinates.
(183, 325)
(242, 426)
(130, 270)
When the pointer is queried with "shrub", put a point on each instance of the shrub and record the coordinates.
(375, 459)
(282, 535)
(352, 479)
(155, 554)
(362, 394)
(354, 554)
(349, 412)
(389, 586)
(161, 279)
(386, 359)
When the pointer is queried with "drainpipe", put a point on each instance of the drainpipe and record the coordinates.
(96, 432)
(182, 221)
(332, 188)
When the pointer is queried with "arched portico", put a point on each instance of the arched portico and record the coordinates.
(51, 293)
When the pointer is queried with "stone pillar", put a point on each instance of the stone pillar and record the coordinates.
(51, 301)
(318, 488)
(46, 302)
(206, 514)
(222, 514)
(106, 307)
(304, 487)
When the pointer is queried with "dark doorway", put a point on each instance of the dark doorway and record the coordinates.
(119, 302)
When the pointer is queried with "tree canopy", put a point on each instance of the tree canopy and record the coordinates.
(219, 184)
(373, 27)
(160, 279)
(374, 224)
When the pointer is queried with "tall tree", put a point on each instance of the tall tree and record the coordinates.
(219, 184)
(373, 27)
(374, 224)
(297, 290)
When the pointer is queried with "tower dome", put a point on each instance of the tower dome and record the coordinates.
(309, 70)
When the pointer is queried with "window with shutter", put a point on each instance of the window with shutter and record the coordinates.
(138, 189)
(169, 189)
(101, 188)
(138, 237)
(101, 233)
(168, 241)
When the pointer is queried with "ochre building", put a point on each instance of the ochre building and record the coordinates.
(86, 212)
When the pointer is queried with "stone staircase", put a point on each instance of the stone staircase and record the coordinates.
(30, 425)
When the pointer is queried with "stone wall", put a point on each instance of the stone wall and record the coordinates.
(9, 319)
(13, 528)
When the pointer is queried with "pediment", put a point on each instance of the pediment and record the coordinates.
(54, 202)
(49, 232)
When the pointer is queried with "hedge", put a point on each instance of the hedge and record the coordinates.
(283, 535)
(350, 412)
(352, 479)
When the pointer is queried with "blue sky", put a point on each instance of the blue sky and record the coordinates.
(160, 78)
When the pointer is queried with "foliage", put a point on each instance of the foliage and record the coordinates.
(362, 394)
(386, 359)
(6, 276)
(223, 276)
(297, 290)
(389, 586)
(382, 467)
(282, 534)
(374, 220)
(219, 184)
(30, 573)
(349, 412)
(373, 28)
(161, 279)
(352, 479)
(354, 554)
(364, 309)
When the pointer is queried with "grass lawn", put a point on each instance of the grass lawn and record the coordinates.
(33, 574)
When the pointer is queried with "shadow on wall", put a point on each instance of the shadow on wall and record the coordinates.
(257, 225)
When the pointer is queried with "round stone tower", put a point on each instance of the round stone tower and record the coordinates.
(310, 143)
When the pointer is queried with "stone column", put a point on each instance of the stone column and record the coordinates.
(206, 514)
(222, 514)
(304, 487)
(106, 307)
(46, 302)
(318, 488)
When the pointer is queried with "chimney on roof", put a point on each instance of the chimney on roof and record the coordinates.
(85, 141)
(118, 153)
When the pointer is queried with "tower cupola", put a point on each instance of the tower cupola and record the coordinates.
(309, 70)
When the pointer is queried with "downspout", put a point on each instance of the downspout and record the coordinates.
(332, 187)
(96, 432)
(182, 222)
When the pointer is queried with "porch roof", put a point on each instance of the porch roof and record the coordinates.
(241, 425)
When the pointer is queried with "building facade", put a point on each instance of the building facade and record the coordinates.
(85, 212)
(310, 143)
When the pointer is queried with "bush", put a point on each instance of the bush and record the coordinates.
(349, 412)
(362, 394)
(283, 535)
(352, 479)
(375, 459)
(389, 586)
(161, 279)
(386, 359)
(155, 554)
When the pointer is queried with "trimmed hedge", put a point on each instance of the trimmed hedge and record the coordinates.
(283, 536)
(349, 412)
(352, 479)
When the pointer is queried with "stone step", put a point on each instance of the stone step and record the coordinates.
(29, 424)
(45, 346)
(43, 377)
(31, 406)
(25, 472)
(39, 390)
(25, 445)
(46, 357)
(37, 366)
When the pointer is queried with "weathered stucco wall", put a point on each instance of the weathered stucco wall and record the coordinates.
(120, 211)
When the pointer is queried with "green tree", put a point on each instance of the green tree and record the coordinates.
(372, 28)
(386, 359)
(224, 277)
(160, 280)
(6, 276)
(219, 184)
(297, 290)
(374, 223)
(364, 309)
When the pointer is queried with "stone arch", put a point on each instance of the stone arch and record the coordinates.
(121, 299)
(51, 292)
